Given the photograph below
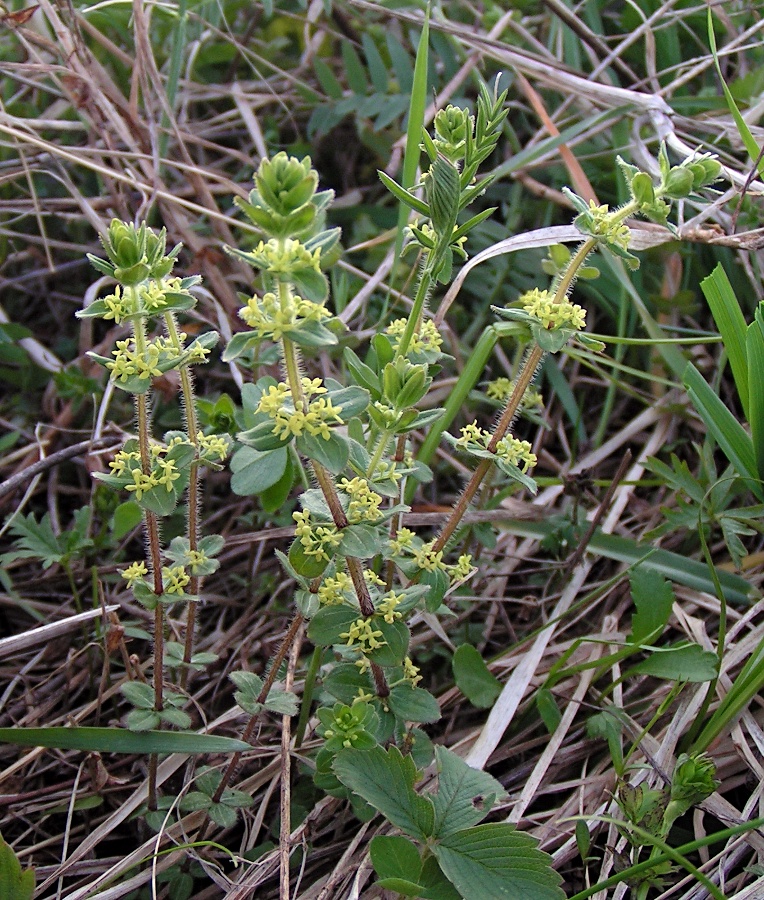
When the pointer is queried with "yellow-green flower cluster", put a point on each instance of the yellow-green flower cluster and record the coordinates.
(428, 339)
(271, 316)
(411, 672)
(501, 389)
(212, 445)
(430, 560)
(388, 606)
(316, 538)
(362, 636)
(552, 315)
(281, 258)
(128, 362)
(402, 541)
(314, 417)
(163, 471)
(608, 225)
(387, 471)
(364, 503)
(149, 297)
(362, 697)
(371, 577)
(174, 580)
(134, 572)
(197, 559)
(335, 589)
(510, 449)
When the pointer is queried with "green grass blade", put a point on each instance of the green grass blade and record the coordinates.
(730, 321)
(677, 568)
(173, 76)
(120, 740)
(755, 352)
(753, 149)
(728, 433)
(414, 126)
(744, 688)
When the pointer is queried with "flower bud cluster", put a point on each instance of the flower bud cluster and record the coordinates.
(427, 341)
(513, 451)
(313, 413)
(551, 314)
(270, 316)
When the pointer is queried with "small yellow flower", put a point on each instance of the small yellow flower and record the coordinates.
(542, 306)
(175, 580)
(141, 483)
(134, 572)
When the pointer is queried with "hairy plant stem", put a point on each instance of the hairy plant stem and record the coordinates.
(524, 379)
(329, 490)
(151, 527)
(395, 522)
(278, 659)
(415, 317)
(192, 514)
(569, 275)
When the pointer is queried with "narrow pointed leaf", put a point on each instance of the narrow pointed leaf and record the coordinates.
(120, 740)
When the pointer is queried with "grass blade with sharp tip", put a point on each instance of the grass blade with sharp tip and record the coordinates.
(120, 740)
(725, 429)
(755, 355)
(414, 126)
(753, 149)
(730, 321)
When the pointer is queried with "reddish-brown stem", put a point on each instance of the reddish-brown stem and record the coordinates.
(278, 659)
(521, 385)
(152, 536)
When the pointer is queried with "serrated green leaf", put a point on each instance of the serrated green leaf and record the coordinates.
(285, 703)
(178, 718)
(496, 862)
(653, 598)
(249, 683)
(35, 540)
(688, 662)
(394, 856)
(222, 815)
(385, 779)
(465, 795)
(139, 694)
(142, 720)
(473, 677)
(120, 740)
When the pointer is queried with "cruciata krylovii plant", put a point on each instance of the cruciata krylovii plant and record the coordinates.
(360, 573)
